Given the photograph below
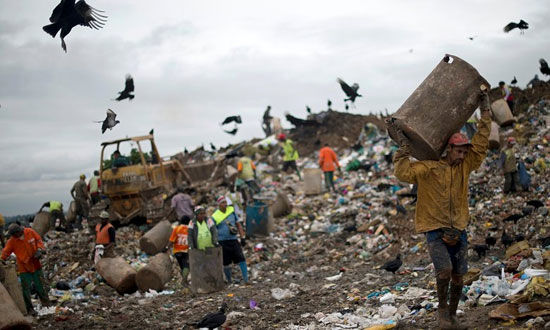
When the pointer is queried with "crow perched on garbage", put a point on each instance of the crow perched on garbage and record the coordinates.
(519, 238)
(544, 67)
(534, 82)
(514, 217)
(522, 25)
(490, 241)
(545, 241)
(230, 119)
(351, 92)
(536, 203)
(506, 239)
(128, 88)
(109, 122)
(514, 81)
(212, 146)
(212, 320)
(393, 265)
(329, 104)
(67, 15)
(481, 250)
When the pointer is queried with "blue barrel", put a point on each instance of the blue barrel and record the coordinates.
(257, 219)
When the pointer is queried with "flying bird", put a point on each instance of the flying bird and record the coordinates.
(109, 122)
(212, 320)
(67, 15)
(346, 106)
(351, 92)
(393, 265)
(232, 132)
(212, 146)
(472, 38)
(522, 25)
(308, 109)
(544, 67)
(236, 119)
(514, 81)
(128, 88)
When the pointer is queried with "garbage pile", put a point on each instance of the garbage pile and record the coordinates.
(321, 267)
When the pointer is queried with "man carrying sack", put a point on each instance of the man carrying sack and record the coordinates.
(442, 207)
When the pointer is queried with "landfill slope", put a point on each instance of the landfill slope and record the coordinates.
(320, 267)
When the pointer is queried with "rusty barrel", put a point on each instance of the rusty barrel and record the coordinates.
(41, 223)
(71, 212)
(439, 107)
(502, 113)
(313, 182)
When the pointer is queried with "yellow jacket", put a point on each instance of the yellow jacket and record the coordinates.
(443, 189)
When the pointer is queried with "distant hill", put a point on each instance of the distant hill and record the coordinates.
(23, 218)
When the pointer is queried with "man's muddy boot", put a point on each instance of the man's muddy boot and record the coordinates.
(185, 275)
(443, 309)
(455, 293)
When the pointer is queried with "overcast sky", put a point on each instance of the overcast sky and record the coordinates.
(194, 62)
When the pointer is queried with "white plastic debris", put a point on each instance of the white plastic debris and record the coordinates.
(335, 277)
(46, 311)
(387, 311)
(388, 298)
(280, 294)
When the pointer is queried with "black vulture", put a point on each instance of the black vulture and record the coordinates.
(232, 132)
(393, 265)
(351, 92)
(236, 119)
(544, 67)
(128, 88)
(67, 15)
(212, 320)
(109, 122)
(522, 25)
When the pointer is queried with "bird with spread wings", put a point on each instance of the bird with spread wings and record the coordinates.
(68, 14)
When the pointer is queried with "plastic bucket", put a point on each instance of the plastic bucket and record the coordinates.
(258, 219)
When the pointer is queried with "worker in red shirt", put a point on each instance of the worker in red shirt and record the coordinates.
(327, 162)
(178, 240)
(28, 247)
(105, 235)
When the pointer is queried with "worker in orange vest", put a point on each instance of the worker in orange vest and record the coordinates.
(105, 235)
(28, 248)
(178, 240)
(327, 160)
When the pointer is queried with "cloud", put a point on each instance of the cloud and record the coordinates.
(194, 64)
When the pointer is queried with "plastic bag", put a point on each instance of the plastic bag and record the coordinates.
(524, 177)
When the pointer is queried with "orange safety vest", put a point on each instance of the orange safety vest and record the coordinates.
(102, 236)
(179, 238)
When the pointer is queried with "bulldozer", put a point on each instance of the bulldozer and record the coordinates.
(137, 189)
(142, 188)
